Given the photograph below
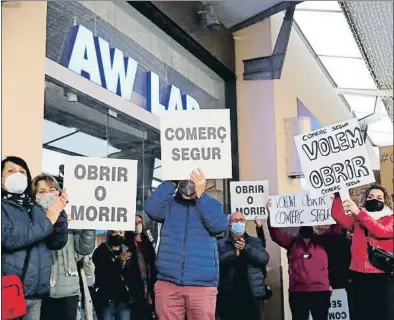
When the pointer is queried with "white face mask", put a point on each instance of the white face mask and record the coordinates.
(138, 229)
(45, 200)
(16, 183)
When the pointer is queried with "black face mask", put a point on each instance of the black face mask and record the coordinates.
(374, 205)
(187, 188)
(115, 241)
(306, 232)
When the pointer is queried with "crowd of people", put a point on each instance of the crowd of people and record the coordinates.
(206, 267)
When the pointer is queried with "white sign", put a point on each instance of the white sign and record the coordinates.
(339, 309)
(300, 209)
(196, 139)
(334, 158)
(250, 198)
(92, 58)
(102, 193)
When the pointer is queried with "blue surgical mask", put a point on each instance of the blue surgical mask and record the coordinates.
(238, 228)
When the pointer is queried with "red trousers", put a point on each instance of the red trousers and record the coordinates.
(174, 302)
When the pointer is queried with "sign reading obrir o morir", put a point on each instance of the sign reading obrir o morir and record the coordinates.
(102, 193)
(249, 198)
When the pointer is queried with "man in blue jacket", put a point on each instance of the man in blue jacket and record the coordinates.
(187, 260)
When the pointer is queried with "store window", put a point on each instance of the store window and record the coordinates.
(77, 125)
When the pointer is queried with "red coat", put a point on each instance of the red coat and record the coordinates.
(380, 232)
(306, 274)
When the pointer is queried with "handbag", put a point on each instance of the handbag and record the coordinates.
(13, 303)
(380, 258)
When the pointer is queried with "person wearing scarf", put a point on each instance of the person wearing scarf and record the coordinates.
(29, 230)
(372, 288)
(62, 302)
(144, 253)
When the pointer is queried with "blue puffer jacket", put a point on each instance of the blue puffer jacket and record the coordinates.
(188, 252)
(18, 233)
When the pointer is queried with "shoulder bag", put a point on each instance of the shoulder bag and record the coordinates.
(380, 258)
(13, 303)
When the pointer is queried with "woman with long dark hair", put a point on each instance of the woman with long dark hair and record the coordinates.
(28, 233)
(144, 254)
(372, 228)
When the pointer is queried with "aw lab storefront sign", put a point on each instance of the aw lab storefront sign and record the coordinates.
(94, 59)
(102, 193)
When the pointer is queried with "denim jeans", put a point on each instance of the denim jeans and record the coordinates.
(33, 309)
(115, 311)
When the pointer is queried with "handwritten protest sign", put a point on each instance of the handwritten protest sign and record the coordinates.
(102, 193)
(387, 168)
(300, 209)
(334, 159)
(250, 198)
(339, 308)
(196, 139)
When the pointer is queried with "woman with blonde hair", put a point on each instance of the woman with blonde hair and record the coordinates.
(62, 302)
(372, 251)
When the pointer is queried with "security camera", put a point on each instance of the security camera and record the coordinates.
(208, 17)
(71, 96)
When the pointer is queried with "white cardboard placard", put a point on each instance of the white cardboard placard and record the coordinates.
(334, 158)
(102, 193)
(294, 210)
(339, 308)
(250, 198)
(196, 139)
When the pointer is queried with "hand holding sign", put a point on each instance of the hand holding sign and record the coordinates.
(199, 181)
(350, 206)
(269, 205)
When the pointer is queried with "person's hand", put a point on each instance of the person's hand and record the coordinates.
(258, 222)
(240, 244)
(69, 219)
(124, 256)
(65, 195)
(55, 209)
(351, 207)
(199, 182)
(269, 205)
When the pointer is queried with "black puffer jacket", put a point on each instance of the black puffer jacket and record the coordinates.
(256, 258)
(18, 234)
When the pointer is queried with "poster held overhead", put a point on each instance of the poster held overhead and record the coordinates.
(334, 158)
(196, 139)
(387, 168)
(295, 210)
(250, 198)
(102, 193)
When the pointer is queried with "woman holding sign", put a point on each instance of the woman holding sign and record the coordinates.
(309, 287)
(372, 252)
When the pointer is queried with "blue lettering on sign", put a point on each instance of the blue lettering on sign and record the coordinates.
(92, 58)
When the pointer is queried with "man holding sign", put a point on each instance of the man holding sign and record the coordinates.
(187, 259)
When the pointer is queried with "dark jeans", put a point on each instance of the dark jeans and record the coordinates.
(372, 296)
(315, 302)
(115, 310)
(238, 307)
(59, 309)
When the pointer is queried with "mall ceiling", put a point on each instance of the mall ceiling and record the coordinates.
(371, 23)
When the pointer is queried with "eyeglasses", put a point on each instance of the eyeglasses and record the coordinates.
(238, 220)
